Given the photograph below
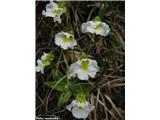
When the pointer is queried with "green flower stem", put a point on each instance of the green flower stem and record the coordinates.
(81, 97)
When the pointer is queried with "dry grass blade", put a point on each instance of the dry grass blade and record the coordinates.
(105, 107)
(113, 82)
(105, 111)
(118, 85)
(114, 107)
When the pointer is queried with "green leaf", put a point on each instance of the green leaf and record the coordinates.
(60, 85)
(64, 97)
(103, 10)
(50, 84)
(56, 74)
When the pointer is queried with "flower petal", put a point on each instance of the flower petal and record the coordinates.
(92, 74)
(51, 5)
(57, 19)
(72, 44)
(104, 31)
(82, 75)
(74, 69)
(88, 27)
(58, 39)
(79, 113)
(39, 61)
(85, 26)
(91, 107)
(40, 68)
(93, 65)
(69, 107)
(88, 108)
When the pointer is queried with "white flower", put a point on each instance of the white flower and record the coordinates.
(80, 110)
(65, 40)
(84, 68)
(97, 27)
(40, 66)
(53, 10)
(43, 62)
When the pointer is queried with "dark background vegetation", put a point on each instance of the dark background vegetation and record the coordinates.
(109, 93)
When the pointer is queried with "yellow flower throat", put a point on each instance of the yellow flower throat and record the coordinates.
(84, 65)
(80, 108)
(98, 27)
(66, 39)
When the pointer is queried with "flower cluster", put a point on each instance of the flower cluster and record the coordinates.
(84, 68)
